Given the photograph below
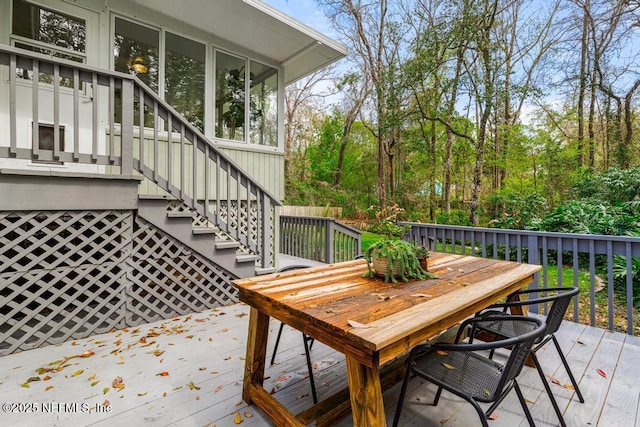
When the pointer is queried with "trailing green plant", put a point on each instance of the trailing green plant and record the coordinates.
(386, 221)
(398, 253)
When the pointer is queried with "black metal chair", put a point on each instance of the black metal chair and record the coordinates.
(307, 340)
(460, 369)
(557, 300)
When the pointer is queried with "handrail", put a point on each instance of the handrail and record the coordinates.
(318, 238)
(102, 108)
(595, 253)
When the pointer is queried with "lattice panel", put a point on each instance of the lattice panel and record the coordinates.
(168, 280)
(50, 240)
(52, 306)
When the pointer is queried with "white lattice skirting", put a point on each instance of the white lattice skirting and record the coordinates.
(67, 275)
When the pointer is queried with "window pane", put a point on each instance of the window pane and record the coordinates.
(264, 105)
(230, 97)
(46, 78)
(49, 27)
(136, 51)
(184, 78)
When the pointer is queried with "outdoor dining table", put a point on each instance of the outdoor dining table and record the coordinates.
(369, 321)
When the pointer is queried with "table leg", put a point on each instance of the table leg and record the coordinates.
(367, 406)
(256, 352)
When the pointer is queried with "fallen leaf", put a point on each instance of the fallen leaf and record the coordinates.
(192, 386)
(116, 381)
(106, 403)
(46, 378)
(238, 419)
(92, 377)
(601, 373)
(227, 358)
(197, 397)
(105, 390)
(493, 416)
(158, 353)
(355, 324)
(248, 415)
(569, 387)
(442, 353)
(93, 384)
(204, 368)
(224, 330)
(48, 388)
(553, 380)
(283, 377)
(218, 389)
(446, 365)
(78, 372)
(143, 394)
(32, 379)
(486, 391)
(162, 374)
(25, 385)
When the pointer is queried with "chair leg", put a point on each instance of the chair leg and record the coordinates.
(403, 390)
(305, 339)
(554, 403)
(523, 402)
(275, 347)
(566, 366)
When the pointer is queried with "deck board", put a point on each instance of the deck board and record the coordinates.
(215, 340)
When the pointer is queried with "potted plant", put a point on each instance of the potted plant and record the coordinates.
(394, 258)
(422, 253)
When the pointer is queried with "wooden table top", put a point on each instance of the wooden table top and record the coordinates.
(374, 321)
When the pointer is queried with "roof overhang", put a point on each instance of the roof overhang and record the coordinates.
(259, 28)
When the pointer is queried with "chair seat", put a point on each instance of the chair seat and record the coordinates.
(465, 372)
(504, 329)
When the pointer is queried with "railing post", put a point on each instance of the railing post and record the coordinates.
(533, 257)
(126, 133)
(266, 231)
(328, 242)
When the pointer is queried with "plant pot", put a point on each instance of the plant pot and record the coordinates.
(381, 266)
(424, 264)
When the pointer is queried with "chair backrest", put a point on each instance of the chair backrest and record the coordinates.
(528, 330)
(559, 306)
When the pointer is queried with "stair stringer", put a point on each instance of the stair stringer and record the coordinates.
(180, 227)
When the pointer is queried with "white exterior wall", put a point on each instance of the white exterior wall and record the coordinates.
(266, 164)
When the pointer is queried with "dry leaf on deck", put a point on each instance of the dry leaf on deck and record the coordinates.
(162, 374)
(105, 390)
(569, 387)
(493, 416)
(78, 372)
(442, 353)
(238, 419)
(446, 365)
(601, 373)
(218, 389)
(192, 386)
(48, 388)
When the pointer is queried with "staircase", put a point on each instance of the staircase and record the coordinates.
(207, 241)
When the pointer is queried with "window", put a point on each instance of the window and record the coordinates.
(184, 81)
(263, 105)
(136, 51)
(49, 32)
(230, 96)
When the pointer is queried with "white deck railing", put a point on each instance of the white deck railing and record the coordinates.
(117, 125)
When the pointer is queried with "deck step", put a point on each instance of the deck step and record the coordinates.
(180, 214)
(260, 271)
(203, 230)
(247, 258)
(227, 244)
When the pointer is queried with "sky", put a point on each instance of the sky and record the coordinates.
(305, 11)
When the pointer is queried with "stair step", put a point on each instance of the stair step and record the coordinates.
(203, 230)
(180, 214)
(227, 244)
(247, 258)
(265, 270)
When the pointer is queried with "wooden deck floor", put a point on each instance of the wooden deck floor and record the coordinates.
(188, 372)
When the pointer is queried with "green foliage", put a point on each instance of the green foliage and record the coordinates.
(518, 211)
(589, 217)
(398, 253)
(615, 186)
(620, 277)
(386, 221)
